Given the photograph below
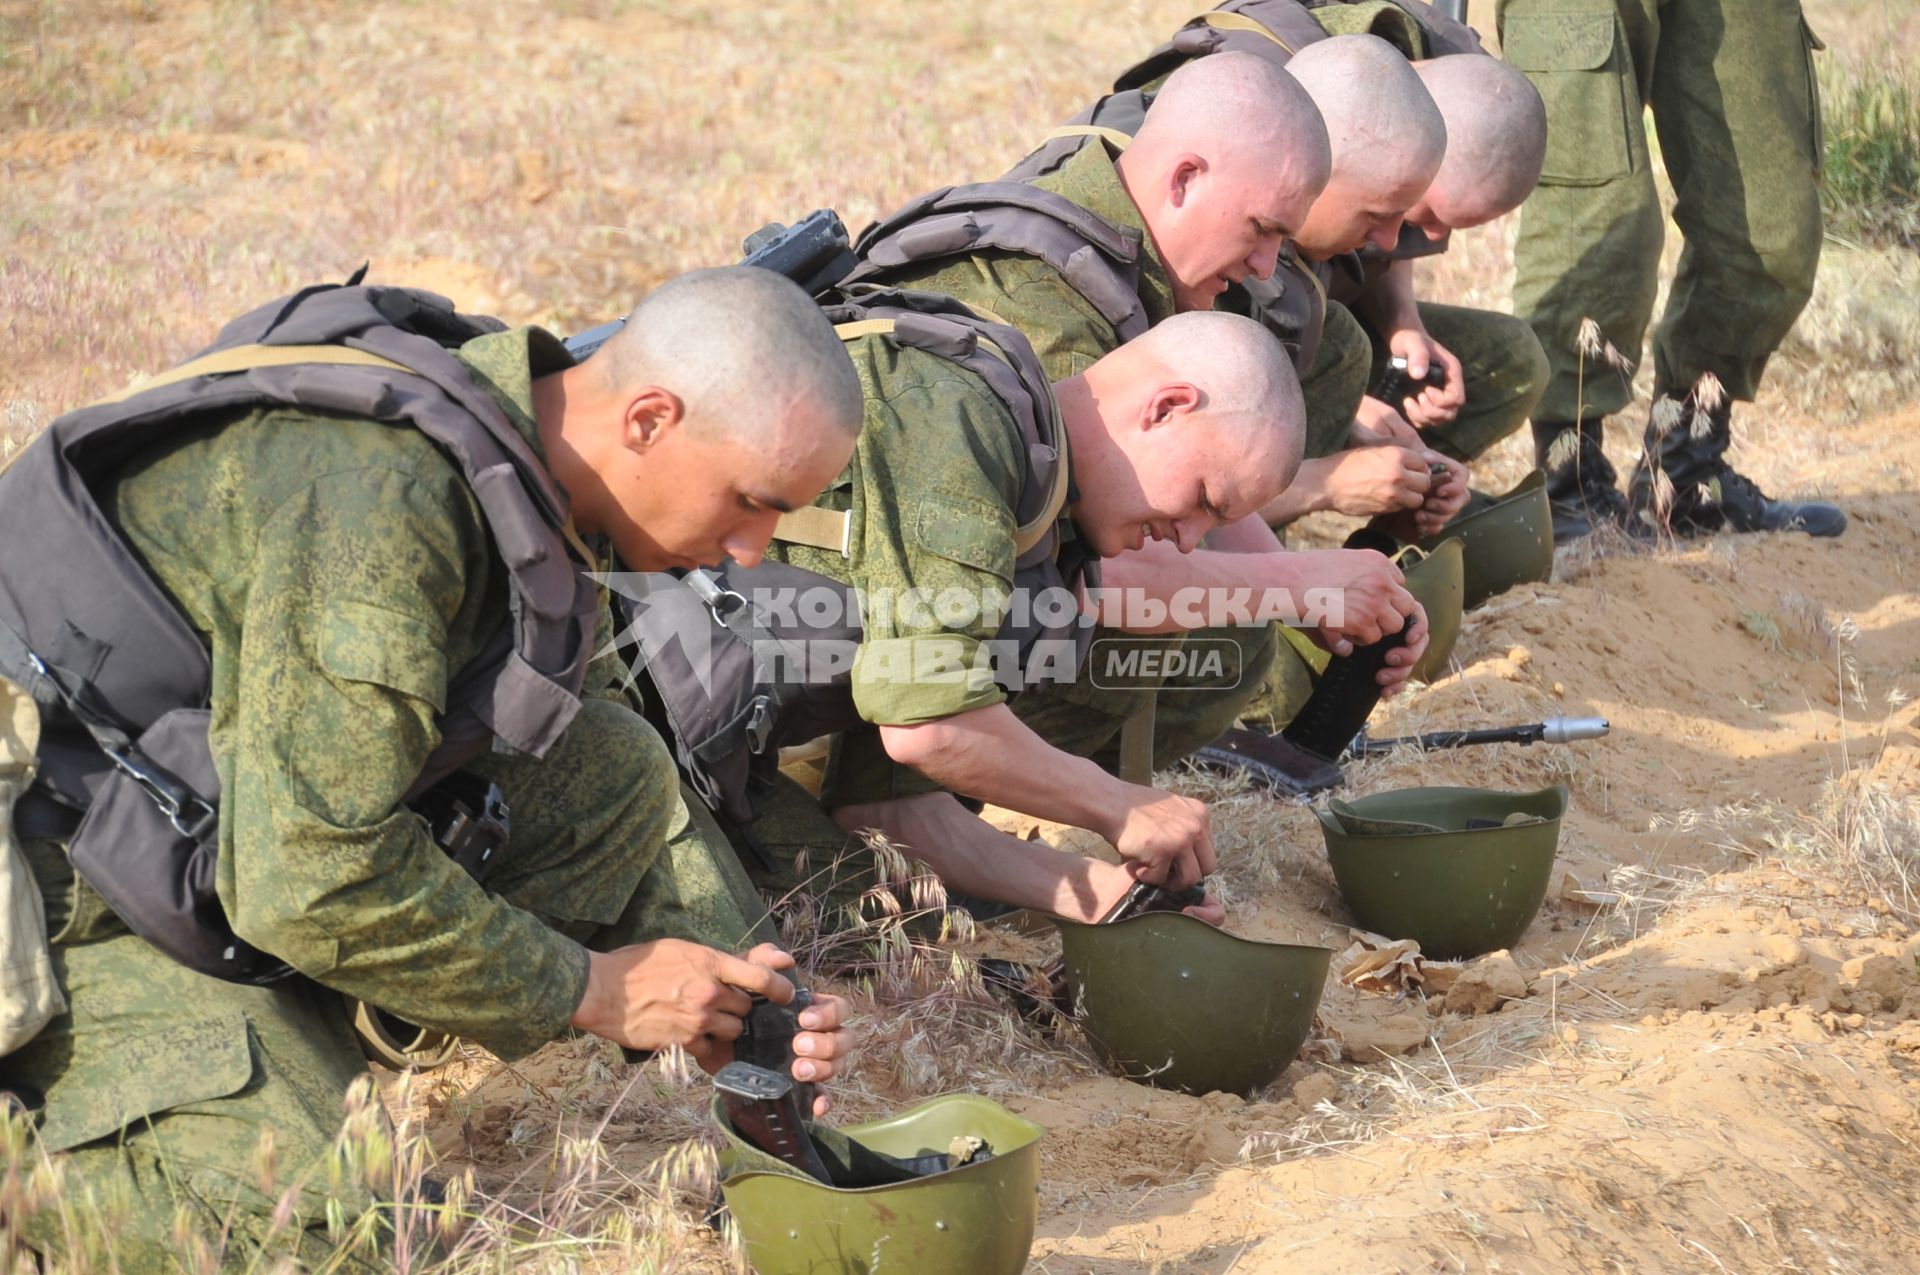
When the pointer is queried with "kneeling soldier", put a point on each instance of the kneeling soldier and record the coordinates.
(286, 596)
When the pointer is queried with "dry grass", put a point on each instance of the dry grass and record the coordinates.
(168, 165)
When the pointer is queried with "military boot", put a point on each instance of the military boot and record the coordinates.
(1687, 439)
(1583, 489)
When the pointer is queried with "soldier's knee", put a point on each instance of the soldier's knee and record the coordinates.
(1795, 263)
(1531, 368)
(634, 765)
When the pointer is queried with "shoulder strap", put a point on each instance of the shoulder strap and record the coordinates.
(1223, 21)
(245, 358)
(1111, 136)
(1097, 258)
(1000, 356)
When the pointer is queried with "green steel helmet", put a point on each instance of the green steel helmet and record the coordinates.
(1508, 539)
(394, 1043)
(1436, 577)
(1459, 870)
(1175, 1002)
(977, 1219)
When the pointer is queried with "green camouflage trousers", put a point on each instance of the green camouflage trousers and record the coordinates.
(1736, 110)
(1501, 362)
(1085, 718)
(159, 1082)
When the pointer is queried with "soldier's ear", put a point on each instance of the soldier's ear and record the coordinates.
(651, 413)
(1187, 171)
(1172, 403)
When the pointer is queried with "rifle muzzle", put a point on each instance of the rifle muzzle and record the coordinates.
(1566, 730)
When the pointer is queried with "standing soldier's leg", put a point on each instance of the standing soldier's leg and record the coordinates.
(1736, 106)
(1589, 244)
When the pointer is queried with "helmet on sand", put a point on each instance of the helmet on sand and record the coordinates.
(1459, 870)
(1437, 578)
(393, 1042)
(1508, 539)
(1176, 1002)
(976, 1219)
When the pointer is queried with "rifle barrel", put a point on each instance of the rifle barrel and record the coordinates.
(1555, 730)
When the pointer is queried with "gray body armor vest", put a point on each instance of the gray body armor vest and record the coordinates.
(1293, 303)
(733, 681)
(123, 681)
(1100, 259)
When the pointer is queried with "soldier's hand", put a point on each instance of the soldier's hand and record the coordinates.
(1165, 838)
(1401, 659)
(1447, 496)
(823, 1037)
(669, 992)
(1367, 481)
(1376, 422)
(1434, 404)
(1372, 596)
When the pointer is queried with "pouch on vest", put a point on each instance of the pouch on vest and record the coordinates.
(30, 995)
(145, 861)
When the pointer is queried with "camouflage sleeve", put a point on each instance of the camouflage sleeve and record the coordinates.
(938, 474)
(342, 668)
(1380, 18)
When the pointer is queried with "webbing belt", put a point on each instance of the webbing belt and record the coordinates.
(243, 358)
(1112, 136)
(1241, 22)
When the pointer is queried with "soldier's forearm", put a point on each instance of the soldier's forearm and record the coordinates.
(1389, 303)
(1251, 534)
(1203, 589)
(379, 913)
(1308, 493)
(973, 857)
(992, 755)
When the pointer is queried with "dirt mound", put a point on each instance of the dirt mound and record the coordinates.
(1762, 1115)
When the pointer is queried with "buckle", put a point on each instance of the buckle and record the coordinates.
(721, 601)
(759, 724)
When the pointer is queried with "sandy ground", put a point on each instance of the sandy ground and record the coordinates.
(1702, 1056)
(1704, 1053)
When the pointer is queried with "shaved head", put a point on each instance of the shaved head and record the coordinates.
(725, 401)
(1387, 137)
(1195, 423)
(1252, 115)
(712, 336)
(1496, 139)
(1231, 155)
(1252, 393)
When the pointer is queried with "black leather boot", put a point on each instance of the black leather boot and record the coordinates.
(1687, 439)
(1582, 486)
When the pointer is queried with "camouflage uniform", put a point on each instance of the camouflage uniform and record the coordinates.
(1736, 108)
(341, 571)
(1070, 336)
(933, 487)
